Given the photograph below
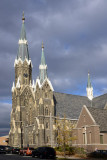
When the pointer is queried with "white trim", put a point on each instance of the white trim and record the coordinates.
(23, 41)
(38, 82)
(84, 106)
(19, 60)
(80, 115)
(13, 87)
(49, 82)
(46, 80)
(89, 93)
(42, 66)
(18, 83)
(33, 85)
(89, 114)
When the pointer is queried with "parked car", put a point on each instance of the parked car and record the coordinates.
(99, 154)
(29, 151)
(2, 149)
(44, 152)
(8, 149)
(15, 150)
(22, 150)
(26, 151)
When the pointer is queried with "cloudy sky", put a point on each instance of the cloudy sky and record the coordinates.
(74, 33)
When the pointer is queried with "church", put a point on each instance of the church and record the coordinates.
(36, 106)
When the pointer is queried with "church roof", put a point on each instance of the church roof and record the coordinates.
(71, 105)
(100, 117)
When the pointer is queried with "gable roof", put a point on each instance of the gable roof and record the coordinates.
(100, 101)
(71, 105)
(100, 116)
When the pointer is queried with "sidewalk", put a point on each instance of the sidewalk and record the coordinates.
(71, 157)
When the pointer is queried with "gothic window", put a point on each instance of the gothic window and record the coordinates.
(30, 116)
(46, 95)
(47, 139)
(41, 110)
(16, 116)
(46, 111)
(84, 140)
(90, 137)
(101, 139)
(27, 116)
(47, 125)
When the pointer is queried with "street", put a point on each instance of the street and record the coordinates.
(18, 157)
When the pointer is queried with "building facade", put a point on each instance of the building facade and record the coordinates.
(91, 129)
(36, 106)
(32, 104)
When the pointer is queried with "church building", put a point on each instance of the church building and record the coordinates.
(35, 105)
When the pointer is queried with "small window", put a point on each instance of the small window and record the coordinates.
(84, 141)
(101, 139)
(90, 137)
(84, 118)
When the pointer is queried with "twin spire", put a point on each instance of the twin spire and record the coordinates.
(23, 52)
(43, 67)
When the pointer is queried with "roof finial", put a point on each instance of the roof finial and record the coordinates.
(23, 18)
(42, 45)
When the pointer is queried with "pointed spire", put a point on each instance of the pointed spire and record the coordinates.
(23, 17)
(43, 67)
(89, 88)
(23, 44)
(23, 32)
(43, 56)
(42, 45)
(89, 82)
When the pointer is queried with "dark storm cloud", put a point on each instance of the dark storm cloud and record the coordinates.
(74, 33)
(5, 110)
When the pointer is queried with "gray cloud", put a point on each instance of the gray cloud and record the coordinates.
(5, 110)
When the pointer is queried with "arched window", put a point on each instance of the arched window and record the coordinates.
(46, 95)
(46, 111)
(47, 125)
(47, 139)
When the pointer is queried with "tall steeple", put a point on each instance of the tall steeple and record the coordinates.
(23, 65)
(43, 67)
(23, 44)
(89, 88)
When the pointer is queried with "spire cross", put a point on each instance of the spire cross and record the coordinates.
(23, 18)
